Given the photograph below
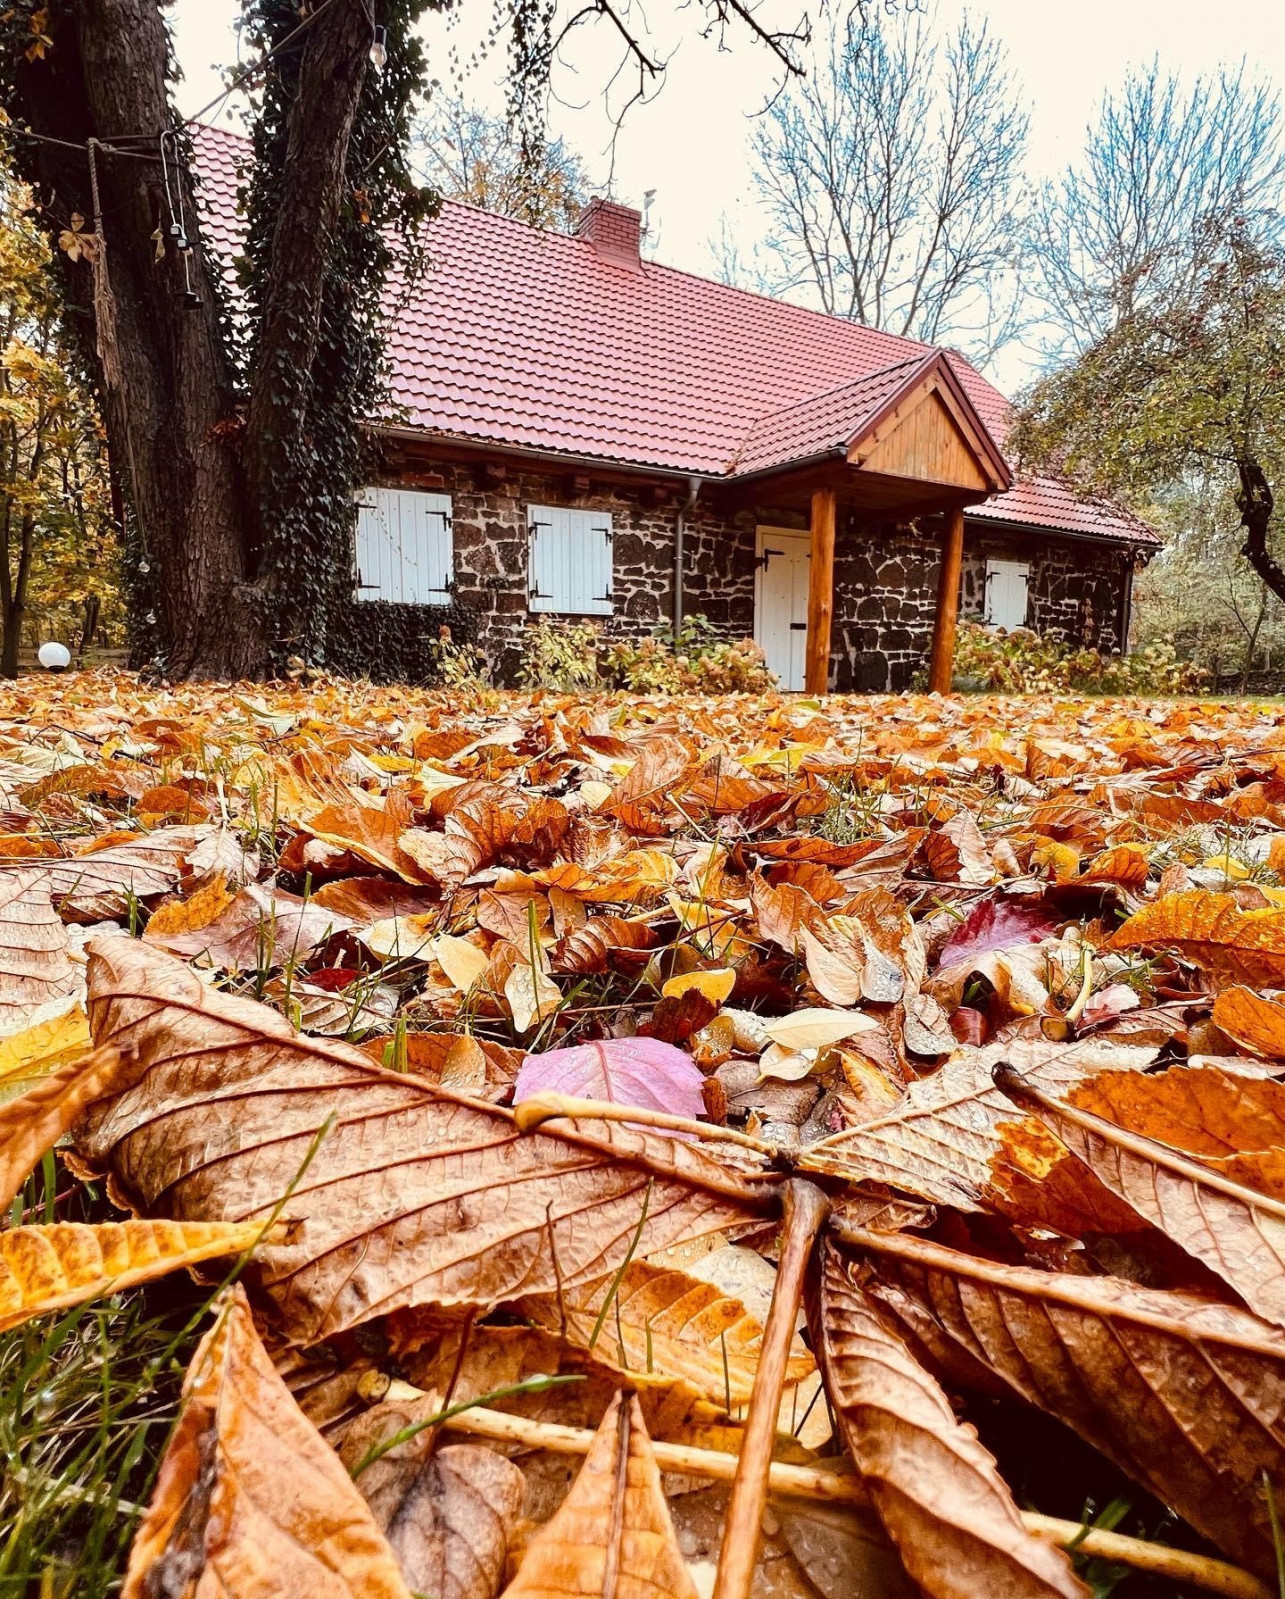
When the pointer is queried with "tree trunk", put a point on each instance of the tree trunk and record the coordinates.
(16, 600)
(327, 89)
(168, 411)
(1255, 504)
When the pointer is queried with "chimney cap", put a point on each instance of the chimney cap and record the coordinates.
(614, 230)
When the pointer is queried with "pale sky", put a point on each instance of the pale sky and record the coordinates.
(691, 142)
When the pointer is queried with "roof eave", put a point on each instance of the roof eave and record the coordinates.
(1045, 530)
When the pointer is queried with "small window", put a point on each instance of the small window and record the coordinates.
(570, 561)
(1006, 584)
(404, 550)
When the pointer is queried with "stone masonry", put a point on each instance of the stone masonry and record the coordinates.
(885, 576)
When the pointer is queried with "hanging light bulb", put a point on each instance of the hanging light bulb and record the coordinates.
(379, 49)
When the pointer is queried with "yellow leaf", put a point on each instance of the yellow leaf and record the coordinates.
(191, 915)
(814, 1028)
(716, 985)
(43, 1048)
(464, 963)
(50, 1268)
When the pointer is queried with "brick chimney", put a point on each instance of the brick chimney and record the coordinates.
(615, 231)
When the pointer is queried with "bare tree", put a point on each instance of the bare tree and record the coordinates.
(892, 174)
(1130, 220)
(464, 154)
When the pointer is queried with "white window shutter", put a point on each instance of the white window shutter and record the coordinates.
(404, 547)
(1006, 593)
(570, 561)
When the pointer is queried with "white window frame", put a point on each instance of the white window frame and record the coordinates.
(588, 542)
(383, 567)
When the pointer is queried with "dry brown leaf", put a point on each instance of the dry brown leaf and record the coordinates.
(414, 1196)
(36, 1121)
(1203, 1110)
(940, 1142)
(370, 833)
(178, 916)
(1234, 1231)
(662, 1321)
(257, 928)
(956, 853)
(102, 883)
(36, 971)
(612, 1536)
(502, 1357)
(1182, 1393)
(1255, 1021)
(643, 799)
(250, 1500)
(590, 947)
(449, 1059)
(935, 1486)
(639, 875)
(51, 1267)
(1213, 932)
(448, 1512)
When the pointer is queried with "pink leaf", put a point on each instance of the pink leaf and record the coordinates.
(628, 1071)
(994, 924)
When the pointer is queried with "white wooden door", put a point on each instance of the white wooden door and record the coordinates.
(781, 602)
(1006, 585)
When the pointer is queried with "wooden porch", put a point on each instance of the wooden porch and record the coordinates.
(925, 453)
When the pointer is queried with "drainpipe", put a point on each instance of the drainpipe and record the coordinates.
(680, 530)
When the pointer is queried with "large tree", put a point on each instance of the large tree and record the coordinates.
(238, 457)
(238, 433)
(1186, 386)
(891, 176)
(1127, 222)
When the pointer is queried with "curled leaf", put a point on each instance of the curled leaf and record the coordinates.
(936, 1488)
(250, 1500)
(612, 1537)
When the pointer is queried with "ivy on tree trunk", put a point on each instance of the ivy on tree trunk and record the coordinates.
(238, 456)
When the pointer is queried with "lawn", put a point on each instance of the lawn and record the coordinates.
(493, 1147)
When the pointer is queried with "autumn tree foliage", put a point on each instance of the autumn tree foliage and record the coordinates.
(58, 538)
(1184, 385)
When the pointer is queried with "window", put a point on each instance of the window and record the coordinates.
(570, 560)
(1006, 593)
(404, 548)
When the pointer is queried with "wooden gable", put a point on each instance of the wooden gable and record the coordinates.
(926, 436)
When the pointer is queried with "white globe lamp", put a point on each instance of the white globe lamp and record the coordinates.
(54, 657)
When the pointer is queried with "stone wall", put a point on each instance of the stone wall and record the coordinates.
(1073, 590)
(885, 577)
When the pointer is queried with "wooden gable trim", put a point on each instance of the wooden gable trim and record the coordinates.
(934, 383)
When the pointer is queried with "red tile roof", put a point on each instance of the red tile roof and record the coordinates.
(535, 340)
(823, 422)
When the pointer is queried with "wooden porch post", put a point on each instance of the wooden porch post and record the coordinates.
(816, 677)
(941, 668)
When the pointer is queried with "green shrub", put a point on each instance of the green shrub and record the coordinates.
(702, 663)
(1021, 662)
(562, 656)
(458, 666)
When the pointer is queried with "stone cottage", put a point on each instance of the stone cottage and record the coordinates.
(581, 432)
